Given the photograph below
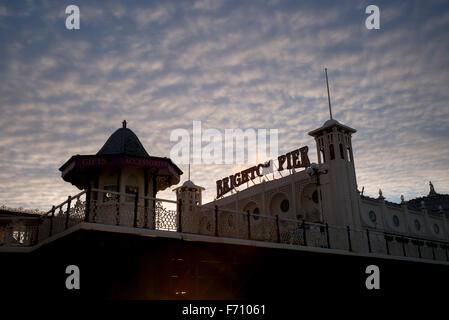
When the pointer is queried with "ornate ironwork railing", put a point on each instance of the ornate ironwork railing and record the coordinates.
(27, 231)
(223, 222)
(130, 210)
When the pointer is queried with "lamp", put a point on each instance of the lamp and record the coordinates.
(317, 170)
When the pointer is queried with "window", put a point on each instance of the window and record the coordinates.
(349, 154)
(372, 216)
(322, 154)
(285, 205)
(436, 228)
(256, 211)
(341, 152)
(131, 187)
(332, 151)
(417, 225)
(396, 221)
(315, 196)
(132, 190)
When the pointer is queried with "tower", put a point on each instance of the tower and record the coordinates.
(341, 200)
(190, 195)
(340, 196)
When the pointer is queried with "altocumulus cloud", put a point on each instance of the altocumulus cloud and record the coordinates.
(231, 64)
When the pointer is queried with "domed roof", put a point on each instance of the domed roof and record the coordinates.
(123, 149)
(329, 124)
(189, 184)
(123, 141)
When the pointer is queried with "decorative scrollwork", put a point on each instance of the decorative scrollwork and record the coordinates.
(79, 211)
(165, 219)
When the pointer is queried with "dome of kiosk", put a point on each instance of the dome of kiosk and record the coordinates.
(122, 150)
(123, 141)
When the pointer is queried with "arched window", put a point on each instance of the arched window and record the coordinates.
(322, 154)
(332, 151)
(256, 212)
(315, 196)
(341, 152)
(372, 216)
(285, 205)
(396, 221)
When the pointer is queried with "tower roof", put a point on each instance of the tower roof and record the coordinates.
(123, 141)
(189, 184)
(122, 149)
(329, 124)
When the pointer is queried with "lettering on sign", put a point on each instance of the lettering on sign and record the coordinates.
(294, 159)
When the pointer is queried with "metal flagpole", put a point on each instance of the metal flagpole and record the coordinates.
(328, 94)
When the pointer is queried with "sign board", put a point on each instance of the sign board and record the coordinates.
(295, 159)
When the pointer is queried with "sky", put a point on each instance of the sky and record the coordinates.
(231, 64)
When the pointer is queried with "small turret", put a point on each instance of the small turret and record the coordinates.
(190, 195)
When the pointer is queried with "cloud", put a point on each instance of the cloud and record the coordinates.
(230, 65)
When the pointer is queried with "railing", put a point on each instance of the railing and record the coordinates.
(220, 222)
(18, 232)
(27, 231)
(130, 210)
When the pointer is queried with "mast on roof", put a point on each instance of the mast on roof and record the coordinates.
(328, 94)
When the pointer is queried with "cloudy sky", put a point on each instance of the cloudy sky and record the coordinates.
(230, 64)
